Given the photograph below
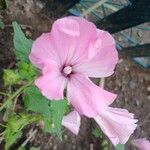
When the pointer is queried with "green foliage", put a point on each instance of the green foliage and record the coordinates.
(97, 133)
(58, 109)
(26, 70)
(120, 147)
(21, 148)
(2, 25)
(51, 111)
(21, 43)
(23, 46)
(10, 77)
(3, 4)
(9, 109)
(15, 124)
(36, 102)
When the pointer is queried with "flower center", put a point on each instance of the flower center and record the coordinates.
(67, 70)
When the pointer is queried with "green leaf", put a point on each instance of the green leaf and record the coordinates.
(21, 43)
(14, 126)
(10, 77)
(26, 71)
(52, 111)
(36, 102)
(58, 109)
(1, 24)
(120, 147)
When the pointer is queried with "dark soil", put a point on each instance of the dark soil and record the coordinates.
(130, 81)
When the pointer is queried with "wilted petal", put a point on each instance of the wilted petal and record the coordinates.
(142, 144)
(87, 98)
(103, 57)
(72, 122)
(118, 124)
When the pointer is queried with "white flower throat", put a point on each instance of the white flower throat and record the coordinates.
(67, 70)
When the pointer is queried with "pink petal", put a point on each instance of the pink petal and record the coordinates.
(67, 26)
(87, 98)
(51, 85)
(118, 124)
(50, 66)
(43, 49)
(71, 35)
(103, 56)
(142, 144)
(72, 122)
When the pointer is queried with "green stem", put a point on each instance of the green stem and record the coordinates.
(15, 94)
(4, 94)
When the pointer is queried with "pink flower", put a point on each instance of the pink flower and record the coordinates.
(142, 144)
(72, 122)
(118, 124)
(68, 55)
